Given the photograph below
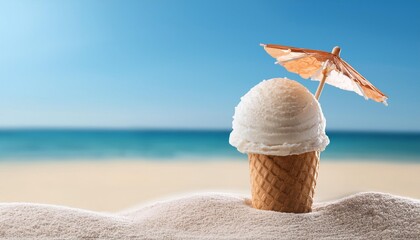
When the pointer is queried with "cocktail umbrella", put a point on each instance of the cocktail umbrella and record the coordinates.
(325, 67)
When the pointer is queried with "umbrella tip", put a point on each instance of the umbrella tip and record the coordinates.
(336, 51)
(263, 45)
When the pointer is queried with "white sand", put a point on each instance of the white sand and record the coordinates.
(116, 185)
(218, 216)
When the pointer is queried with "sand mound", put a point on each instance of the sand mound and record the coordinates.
(219, 216)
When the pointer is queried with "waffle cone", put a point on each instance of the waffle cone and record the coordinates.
(283, 183)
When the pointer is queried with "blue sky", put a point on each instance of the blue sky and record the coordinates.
(185, 64)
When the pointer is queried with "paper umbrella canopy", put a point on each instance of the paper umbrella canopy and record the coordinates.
(325, 67)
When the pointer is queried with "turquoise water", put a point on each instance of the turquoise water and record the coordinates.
(57, 145)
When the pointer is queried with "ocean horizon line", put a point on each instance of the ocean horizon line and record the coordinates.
(202, 130)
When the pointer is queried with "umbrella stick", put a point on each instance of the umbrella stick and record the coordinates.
(335, 52)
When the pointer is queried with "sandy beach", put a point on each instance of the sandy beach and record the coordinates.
(115, 185)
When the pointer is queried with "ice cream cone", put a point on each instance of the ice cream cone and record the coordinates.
(280, 125)
(283, 183)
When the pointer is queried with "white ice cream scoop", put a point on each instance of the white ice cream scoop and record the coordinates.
(278, 117)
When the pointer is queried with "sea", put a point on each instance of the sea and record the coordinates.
(195, 145)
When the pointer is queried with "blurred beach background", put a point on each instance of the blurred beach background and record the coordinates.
(105, 105)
